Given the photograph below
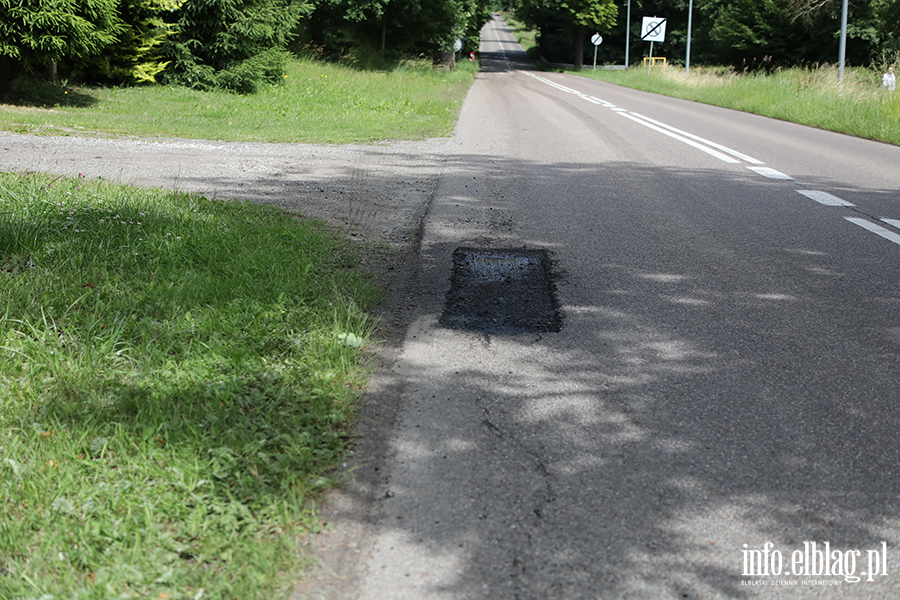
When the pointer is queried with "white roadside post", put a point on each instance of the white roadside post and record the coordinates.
(596, 39)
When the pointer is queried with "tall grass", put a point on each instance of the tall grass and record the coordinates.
(177, 376)
(813, 96)
(317, 102)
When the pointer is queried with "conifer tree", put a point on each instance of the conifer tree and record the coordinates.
(39, 33)
(231, 44)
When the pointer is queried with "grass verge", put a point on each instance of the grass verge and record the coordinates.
(178, 376)
(318, 102)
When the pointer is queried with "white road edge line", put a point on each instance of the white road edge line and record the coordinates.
(876, 229)
(724, 149)
(825, 198)
(891, 222)
(682, 136)
(685, 140)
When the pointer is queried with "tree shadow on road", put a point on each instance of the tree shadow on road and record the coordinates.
(714, 393)
(732, 383)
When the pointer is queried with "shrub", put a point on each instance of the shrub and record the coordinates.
(137, 56)
(231, 44)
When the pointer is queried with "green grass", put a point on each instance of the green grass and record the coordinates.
(317, 102)
(177, 376)
(810, 96)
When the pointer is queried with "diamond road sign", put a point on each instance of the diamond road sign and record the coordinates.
(653, 29)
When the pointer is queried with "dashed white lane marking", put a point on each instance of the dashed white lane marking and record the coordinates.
(824, 198)
(601, 101)
(831, 200)
(770, 173)
(713, 148)
(876, 229)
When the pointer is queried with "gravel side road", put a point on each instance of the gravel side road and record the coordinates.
(376, 193)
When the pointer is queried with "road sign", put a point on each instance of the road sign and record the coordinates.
(653, 29)
(596, 39)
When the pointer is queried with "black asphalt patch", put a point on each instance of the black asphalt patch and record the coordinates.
(501, 291)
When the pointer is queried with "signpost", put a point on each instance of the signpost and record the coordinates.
(653, 29)
(596, 39)
(627, 33)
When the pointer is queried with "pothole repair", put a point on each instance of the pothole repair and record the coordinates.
(494, 290)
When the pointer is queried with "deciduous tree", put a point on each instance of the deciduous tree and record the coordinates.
(574, 15)
(398, 26)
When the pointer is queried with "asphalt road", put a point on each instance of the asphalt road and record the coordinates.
(725, 376)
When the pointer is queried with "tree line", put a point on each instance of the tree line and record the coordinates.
(241, 44)
(229, 44)
(745, 34)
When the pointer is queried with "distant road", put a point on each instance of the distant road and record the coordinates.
(722, 399)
